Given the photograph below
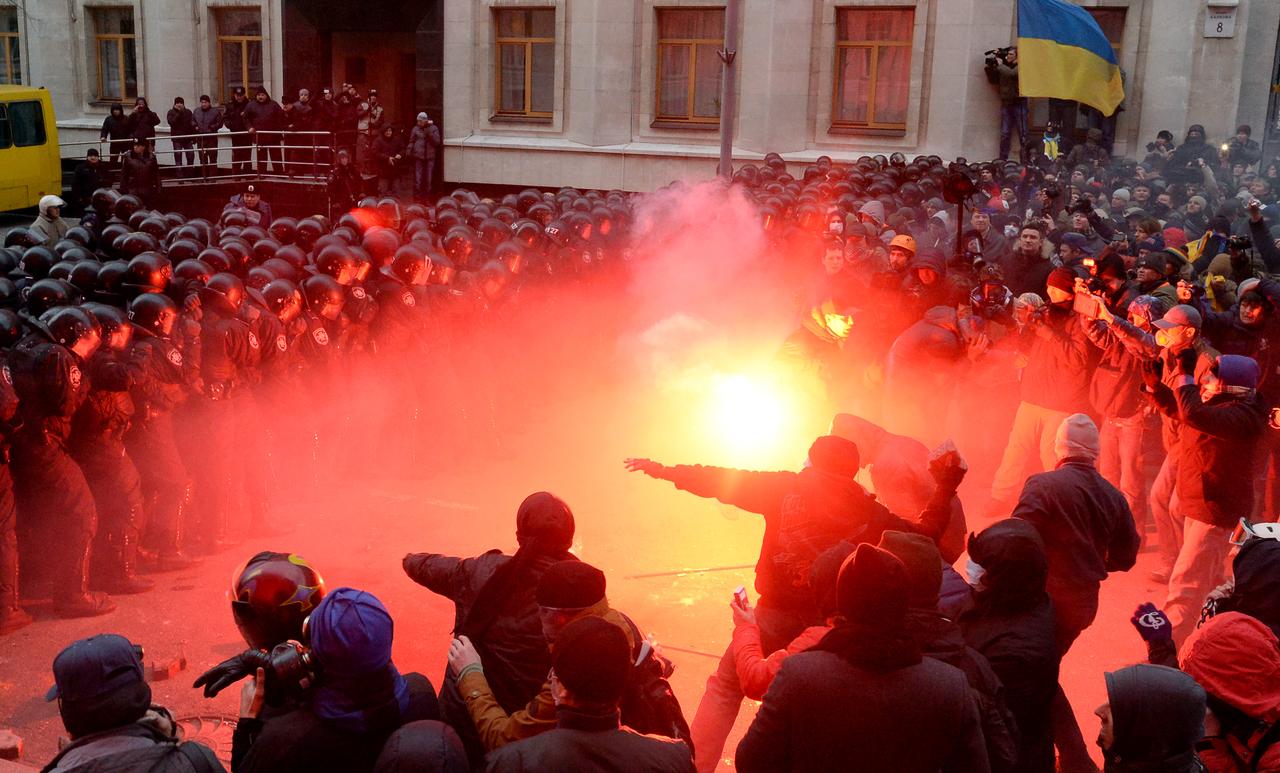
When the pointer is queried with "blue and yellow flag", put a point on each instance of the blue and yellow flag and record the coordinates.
(1063, 53)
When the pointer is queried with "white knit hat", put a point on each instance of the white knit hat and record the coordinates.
(1077, 437)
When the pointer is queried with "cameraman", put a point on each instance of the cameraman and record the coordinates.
(1261, 238)
(1002, 72)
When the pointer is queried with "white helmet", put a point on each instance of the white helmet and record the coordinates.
(50, 201)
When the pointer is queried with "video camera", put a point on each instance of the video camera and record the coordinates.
(997, 55)
(1240, 243)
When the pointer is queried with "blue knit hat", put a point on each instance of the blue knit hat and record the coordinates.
(350, 636)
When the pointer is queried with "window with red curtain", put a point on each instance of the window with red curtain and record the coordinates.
(873, 68)
(689, 69)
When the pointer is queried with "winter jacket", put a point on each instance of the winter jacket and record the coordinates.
(1116, 389)
(1190, 151)
(52, 230)
(1085, 522)
(1012, 624)
(1025, 275)
(141, 746)
(513, 648)
(207, 121)
(817, 500)
(259, 216)
(596, 742)
(116, 127)
(498, 727)
(143, 123)
(423, 142)
(140, 175)
(345, 186)
(942, 640)
(302, 742)
(1060, 362)
(264, 116)
(995, 246)
(1247, 152)
(86, 179)
(233, 116)
(1265, 245)
(181, 122)
(1157, 714)
(1005, 79)
(1163, 290)
(1236, 659)
(385, 149)
(1262, 343)
(824, 713)
(1217, 444)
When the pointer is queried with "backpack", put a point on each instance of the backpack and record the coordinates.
(649, 704)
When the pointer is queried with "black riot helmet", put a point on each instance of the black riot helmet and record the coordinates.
(442, 270)
(225, 291)
(84, 275)
(111, 277)
(10, 328)
(193, 271)
(338, 262)
(149, 272)
(69, 325)
(47, 294)
(103, 201)
(410, 265)
(154, 313)
(324, 296)
(9, 296)
(284, 230)
(283, 299)
(35, 262)
(22, 238)
(272, 594)
(111, 320)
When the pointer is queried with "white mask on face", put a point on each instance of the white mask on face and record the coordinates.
(975, 573)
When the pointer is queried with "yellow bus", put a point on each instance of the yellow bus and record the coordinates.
(30, 166)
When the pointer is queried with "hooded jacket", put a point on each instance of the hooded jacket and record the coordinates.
(1060, 362)
(1011, 623)
(1116, 389)
(1236, 659)
(1192, 149)
(1157, 715)
(1256, 591)
(148, 744)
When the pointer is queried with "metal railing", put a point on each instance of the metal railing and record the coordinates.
(301, 158)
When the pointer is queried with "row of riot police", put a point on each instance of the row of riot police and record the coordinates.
(160, 371)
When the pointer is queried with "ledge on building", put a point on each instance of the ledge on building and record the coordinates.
(864, 131)
(685, 126)
(538, 120)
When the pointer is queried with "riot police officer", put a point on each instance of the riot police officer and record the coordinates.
(57, 507)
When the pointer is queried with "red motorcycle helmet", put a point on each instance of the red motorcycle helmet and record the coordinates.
(272, 594)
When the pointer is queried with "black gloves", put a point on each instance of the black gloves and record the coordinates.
(232, 670)
(1187, 360)
(1151, 372)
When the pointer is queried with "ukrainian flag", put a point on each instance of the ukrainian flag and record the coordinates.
(1063, 53)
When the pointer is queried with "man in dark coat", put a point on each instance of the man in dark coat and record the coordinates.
(1220, 423)
(1089, 530)
(864, 698)
(1011, 623)
(116, 130)
(494, 606)
(590, 671)
(89, 176)
(265, 119)
(236, 123)
(139, 173)
(940, 639)
(1153, 720)
(182, 125)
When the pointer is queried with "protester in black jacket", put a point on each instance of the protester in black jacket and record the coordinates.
(590, 672)
(359, 698)
(1011, 623)
(494, 606)
(940, 639)
(865, 698)
(1220, 424)
(806, 513)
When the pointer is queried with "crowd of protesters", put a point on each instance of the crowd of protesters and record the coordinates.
(292, 137)
(1101, 328)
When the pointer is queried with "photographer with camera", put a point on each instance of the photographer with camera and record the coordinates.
(357, 698)
(1260, 238)
(1183, 162)
(1090, 154)
(1001, 66)
(1158, 152)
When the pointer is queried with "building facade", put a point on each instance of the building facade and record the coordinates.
(626, 93)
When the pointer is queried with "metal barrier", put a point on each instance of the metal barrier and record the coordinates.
(300, 158)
